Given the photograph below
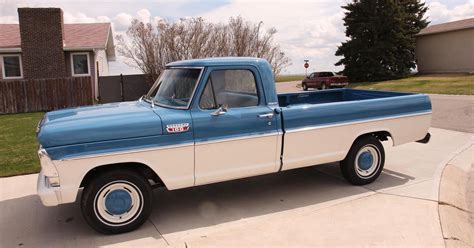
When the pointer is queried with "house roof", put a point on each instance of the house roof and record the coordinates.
(447, 27)
(9, 36)
(76, 36)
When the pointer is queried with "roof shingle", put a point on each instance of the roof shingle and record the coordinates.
(84, 35)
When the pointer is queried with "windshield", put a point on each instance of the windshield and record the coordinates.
(174, 87)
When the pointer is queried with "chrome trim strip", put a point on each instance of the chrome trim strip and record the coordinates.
(295, 130)
(129, 151)
(276, 133)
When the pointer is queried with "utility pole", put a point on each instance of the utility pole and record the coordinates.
(306, 65)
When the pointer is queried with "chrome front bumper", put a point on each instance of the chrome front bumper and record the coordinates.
(50, 196)
(48, 186)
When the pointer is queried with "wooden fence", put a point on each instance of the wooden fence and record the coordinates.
(32, 95)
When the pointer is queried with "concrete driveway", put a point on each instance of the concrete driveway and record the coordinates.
(311, 206)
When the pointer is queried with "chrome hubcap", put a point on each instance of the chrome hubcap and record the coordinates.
(367, 161)
(118, 203)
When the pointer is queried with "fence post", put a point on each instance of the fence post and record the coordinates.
(122, 94)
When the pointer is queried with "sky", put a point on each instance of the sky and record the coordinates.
(306, 29)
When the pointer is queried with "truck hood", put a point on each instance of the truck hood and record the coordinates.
(98, 123)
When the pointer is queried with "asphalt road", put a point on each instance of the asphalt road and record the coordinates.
(450, 112)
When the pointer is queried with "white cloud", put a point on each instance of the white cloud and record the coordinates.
(306, 29)
(8, 19)
(79, 17)
(122, 21)
(144, 15)
(439, 12)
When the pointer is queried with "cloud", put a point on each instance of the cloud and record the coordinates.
(79, 17)
(8, 19)
(122, 21)
(439, 12)
(306, 29)
(144, 15)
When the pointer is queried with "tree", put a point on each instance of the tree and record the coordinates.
(150, 48)
(381, 42)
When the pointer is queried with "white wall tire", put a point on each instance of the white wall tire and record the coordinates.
(117, 201)
(364, 162)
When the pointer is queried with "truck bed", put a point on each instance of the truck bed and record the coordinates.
(348, 106)
(320, 127)
(331, 96)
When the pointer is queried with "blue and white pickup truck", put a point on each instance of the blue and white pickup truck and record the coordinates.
(212, 120)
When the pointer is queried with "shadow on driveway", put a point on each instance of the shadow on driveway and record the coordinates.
(25, 222)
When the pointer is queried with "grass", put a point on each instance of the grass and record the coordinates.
(18, 139)
(451, 84)
(287, 78)
(18, 145)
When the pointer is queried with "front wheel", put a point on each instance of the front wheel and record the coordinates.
(364, 162)
(117, 201)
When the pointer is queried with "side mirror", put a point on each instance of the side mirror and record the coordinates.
(220, 111)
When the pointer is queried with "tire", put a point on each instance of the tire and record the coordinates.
(364, 162)
(304, 86)
(323, 86)
(117, 201)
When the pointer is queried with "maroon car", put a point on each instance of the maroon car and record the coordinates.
(324, 80)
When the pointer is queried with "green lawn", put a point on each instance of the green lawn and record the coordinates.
(454, 84)
(287, 78)
(18, 145)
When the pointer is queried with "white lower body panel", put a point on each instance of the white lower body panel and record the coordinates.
(319, 145)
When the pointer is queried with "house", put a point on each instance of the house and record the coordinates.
(42, 46)
(446, 48)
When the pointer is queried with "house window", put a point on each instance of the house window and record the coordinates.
(80, 64)
(11, 67)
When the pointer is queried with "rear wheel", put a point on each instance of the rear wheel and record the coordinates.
(305, 87)
(364, 162)
(117, 201)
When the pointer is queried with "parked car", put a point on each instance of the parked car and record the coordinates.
(212, 120)
(324, 80)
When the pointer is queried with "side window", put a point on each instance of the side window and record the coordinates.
(208, 100)
(231, 88)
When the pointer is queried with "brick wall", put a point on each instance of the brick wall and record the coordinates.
(42, 32)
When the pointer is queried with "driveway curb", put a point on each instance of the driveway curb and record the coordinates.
(456, 193)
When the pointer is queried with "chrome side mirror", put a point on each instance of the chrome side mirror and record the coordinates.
(220, 111)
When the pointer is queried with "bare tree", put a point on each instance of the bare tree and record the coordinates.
(150, 48)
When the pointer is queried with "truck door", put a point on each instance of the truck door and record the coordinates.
(235, 132)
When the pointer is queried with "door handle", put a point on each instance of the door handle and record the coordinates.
(267, 115)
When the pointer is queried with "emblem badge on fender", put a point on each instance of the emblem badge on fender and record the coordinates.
(177, 128)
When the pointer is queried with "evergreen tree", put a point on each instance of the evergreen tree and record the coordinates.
(381, 42)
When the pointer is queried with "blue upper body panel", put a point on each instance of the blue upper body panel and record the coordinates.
(98, 123)
(332, 107)
(126, 126)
